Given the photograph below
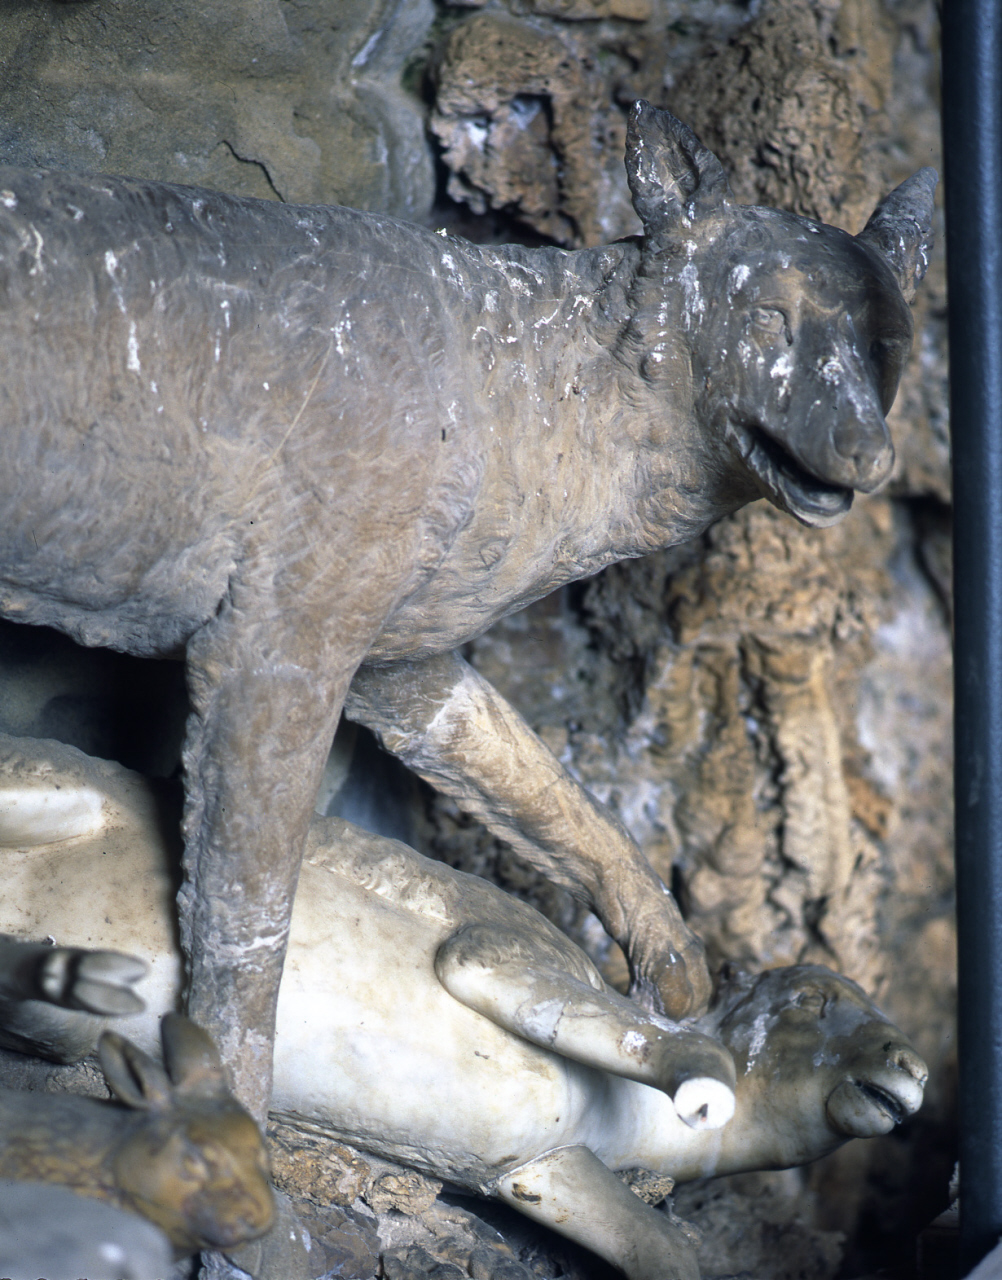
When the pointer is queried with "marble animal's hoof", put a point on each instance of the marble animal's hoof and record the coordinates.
(93, 981)
(704, 1103)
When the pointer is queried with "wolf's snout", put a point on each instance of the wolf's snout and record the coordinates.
(863, 453)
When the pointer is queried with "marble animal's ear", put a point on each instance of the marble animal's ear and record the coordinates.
(192, 1059)
(900, 229)
(671, 174)
(132, 1076)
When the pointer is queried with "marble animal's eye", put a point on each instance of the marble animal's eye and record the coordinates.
(769, 320)
(812, 1001)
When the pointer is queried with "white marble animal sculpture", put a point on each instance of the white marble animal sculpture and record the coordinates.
(283, 442)
(427, 1016)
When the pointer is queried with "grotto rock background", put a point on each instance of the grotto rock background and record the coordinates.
(768, 708)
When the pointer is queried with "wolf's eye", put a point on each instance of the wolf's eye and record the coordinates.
(770, 320)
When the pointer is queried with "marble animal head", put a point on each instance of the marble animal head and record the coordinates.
(817, 1063)
(796, 332)
(197, 1166)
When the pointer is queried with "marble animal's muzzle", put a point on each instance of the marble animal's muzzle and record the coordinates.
(873, 1098)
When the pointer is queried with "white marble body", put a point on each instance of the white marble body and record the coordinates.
(398, 1065)
(371, 1047)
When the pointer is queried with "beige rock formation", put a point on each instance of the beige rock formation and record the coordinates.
(296, 102)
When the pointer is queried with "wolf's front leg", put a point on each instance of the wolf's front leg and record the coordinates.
(264, 712)
(455, 730)
(574, 1193)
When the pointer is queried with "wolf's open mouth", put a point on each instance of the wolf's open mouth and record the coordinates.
(786, 483)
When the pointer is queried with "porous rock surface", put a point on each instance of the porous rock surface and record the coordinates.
(295, 100)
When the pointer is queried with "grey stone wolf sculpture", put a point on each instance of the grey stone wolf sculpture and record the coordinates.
(288, 443)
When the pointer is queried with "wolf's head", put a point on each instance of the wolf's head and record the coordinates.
(795, 332)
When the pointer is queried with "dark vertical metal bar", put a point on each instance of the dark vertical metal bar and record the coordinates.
(972, 137)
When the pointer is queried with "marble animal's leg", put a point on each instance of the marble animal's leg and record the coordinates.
(455, 730)
(70, 977)
(264, 712)
(39, 984)
(508, 977)
(574, 1193)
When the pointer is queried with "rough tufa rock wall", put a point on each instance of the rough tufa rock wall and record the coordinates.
(296, 100)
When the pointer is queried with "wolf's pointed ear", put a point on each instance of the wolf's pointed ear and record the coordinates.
(900, 228)
(671, 174)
